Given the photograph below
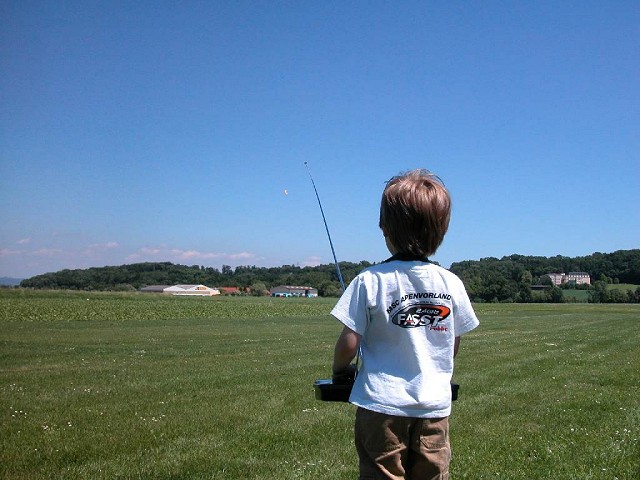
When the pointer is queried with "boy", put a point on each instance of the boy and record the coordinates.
(406, 315)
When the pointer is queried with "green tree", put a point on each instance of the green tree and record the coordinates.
(227, 270)
(633, 296)
(554, 295)
(616, 296)
(329, 289)
(258, 289)
(599, 294)
(525, 295)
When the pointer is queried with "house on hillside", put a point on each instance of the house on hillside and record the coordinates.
(198, 290)
(556, 278)
(579, 278)
(290, 291)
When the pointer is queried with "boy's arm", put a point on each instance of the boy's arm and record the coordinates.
(456, 346)
(345, 350)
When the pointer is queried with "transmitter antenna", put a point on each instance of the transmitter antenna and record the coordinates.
(326, 228)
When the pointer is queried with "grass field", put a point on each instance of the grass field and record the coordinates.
(575, 296)
(578, 296)
(138, 386)
(625, 287)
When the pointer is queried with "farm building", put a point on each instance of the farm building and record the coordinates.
(289, 291)
(579, 278)
(230, 290)
(154, 288)
(556, 278)
(201, 290)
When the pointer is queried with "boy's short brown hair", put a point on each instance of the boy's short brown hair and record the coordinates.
(415, 212)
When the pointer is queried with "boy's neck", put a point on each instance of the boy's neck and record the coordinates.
(407, 257)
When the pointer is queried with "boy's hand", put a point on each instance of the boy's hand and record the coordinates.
(346, 375)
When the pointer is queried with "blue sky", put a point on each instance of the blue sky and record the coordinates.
(169, 131)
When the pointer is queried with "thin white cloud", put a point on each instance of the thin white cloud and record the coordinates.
(27, 262)
(97, 249)
(24, 241)
(194, 254)
(45, 252)
(312, 262)
(150, 251)
(242, 256)
(165, 253)
(106, 245)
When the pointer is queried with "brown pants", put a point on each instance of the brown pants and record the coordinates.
(398, 448)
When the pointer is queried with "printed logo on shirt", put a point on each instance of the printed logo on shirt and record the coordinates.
(417, 296)
(422, 315)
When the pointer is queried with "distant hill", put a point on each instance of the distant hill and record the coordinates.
(9, 281)
(511, 278)
(489, 279)
(623, 265)
(134, 276)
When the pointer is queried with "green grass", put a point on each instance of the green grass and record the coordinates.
(625, 287)
(140, 386)
(553, 391)
(573, 295)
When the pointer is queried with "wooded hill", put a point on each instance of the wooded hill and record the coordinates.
(257, 279)
(489, 279)
(510, 278)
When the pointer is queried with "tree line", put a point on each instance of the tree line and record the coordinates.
(519, 278)
(254, 279)
(514, 278)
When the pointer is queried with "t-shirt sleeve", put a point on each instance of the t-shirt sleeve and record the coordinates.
(464, 316)
(352, 308)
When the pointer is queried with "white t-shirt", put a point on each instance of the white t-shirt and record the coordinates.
(408, 314)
